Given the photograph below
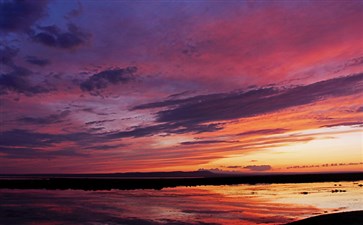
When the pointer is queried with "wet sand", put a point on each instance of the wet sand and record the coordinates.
(343, 218)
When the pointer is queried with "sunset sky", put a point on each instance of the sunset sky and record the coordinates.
(120, 86)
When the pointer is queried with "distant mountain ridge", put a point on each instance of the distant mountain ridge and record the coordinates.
(160, 180)
(173, 174)
(199, 173)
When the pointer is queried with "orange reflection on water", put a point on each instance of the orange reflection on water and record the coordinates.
(267, 204)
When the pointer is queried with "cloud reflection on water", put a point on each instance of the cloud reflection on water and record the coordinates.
(244, 204)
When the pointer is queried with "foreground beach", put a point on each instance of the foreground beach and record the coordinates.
(343, 218)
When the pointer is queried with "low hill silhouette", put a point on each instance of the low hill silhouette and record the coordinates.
(159, 180)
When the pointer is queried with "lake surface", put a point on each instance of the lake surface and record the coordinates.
(263, 204)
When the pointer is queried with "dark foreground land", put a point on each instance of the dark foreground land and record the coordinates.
(344, 218)
(127, 183)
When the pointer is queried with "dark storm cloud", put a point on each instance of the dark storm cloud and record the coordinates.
(52, 36)
(18, 81)
(27, 138)
(233, 167)
(7, 54)
(75, 12)
(177, 95)
(356, 61)
(108, 77)
(195, 99)
(14, 78)
(263, 131)
(26, 153)
(105, 147)
(19, 143)
(37, 61)
(20, 15)
(99, 122)
(51, 119)
(258, 168)
(204, 142)
(324, 165)
(216, 107)
(354, 123)
(173, 128)
(360, 109)
(92, 110)
(95, 129)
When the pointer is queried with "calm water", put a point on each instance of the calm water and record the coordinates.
(239, 204)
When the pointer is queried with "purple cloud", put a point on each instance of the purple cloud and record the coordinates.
(52, 36)
(37, 61)
(105, 78)
(258, 168)
(216, 107)
(20, 15)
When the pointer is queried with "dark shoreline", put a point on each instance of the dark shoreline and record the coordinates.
(342, 218)
(91, 183)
